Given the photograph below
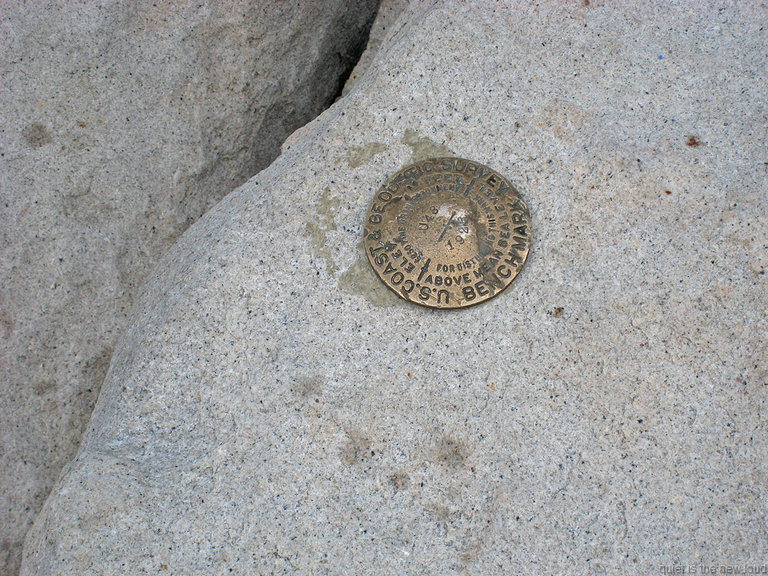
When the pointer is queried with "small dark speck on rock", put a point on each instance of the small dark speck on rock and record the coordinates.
(692, 141)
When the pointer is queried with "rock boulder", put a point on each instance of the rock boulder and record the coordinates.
(274, 409)
(121, 122)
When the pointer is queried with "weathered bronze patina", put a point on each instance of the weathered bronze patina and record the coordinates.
(447, 233)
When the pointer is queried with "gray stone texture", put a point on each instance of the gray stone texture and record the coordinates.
(121, 122)
(387, 15)
(273, 409)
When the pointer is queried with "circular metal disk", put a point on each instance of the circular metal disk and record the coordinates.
(447, 233)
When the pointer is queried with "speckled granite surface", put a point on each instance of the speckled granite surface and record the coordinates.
(273, 409)
(121, 122)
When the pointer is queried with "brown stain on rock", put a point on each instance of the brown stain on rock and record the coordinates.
(451, 453)
(562, 119)
(7, 323)
(36, 135)
(43, 387)
(308, 386)
(357, 448)
(470, 552)
(400, 480)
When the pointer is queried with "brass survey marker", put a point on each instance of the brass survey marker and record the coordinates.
(447, 233)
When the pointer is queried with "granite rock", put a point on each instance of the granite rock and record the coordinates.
(121, 122)
(384, 25)
(273, 409)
